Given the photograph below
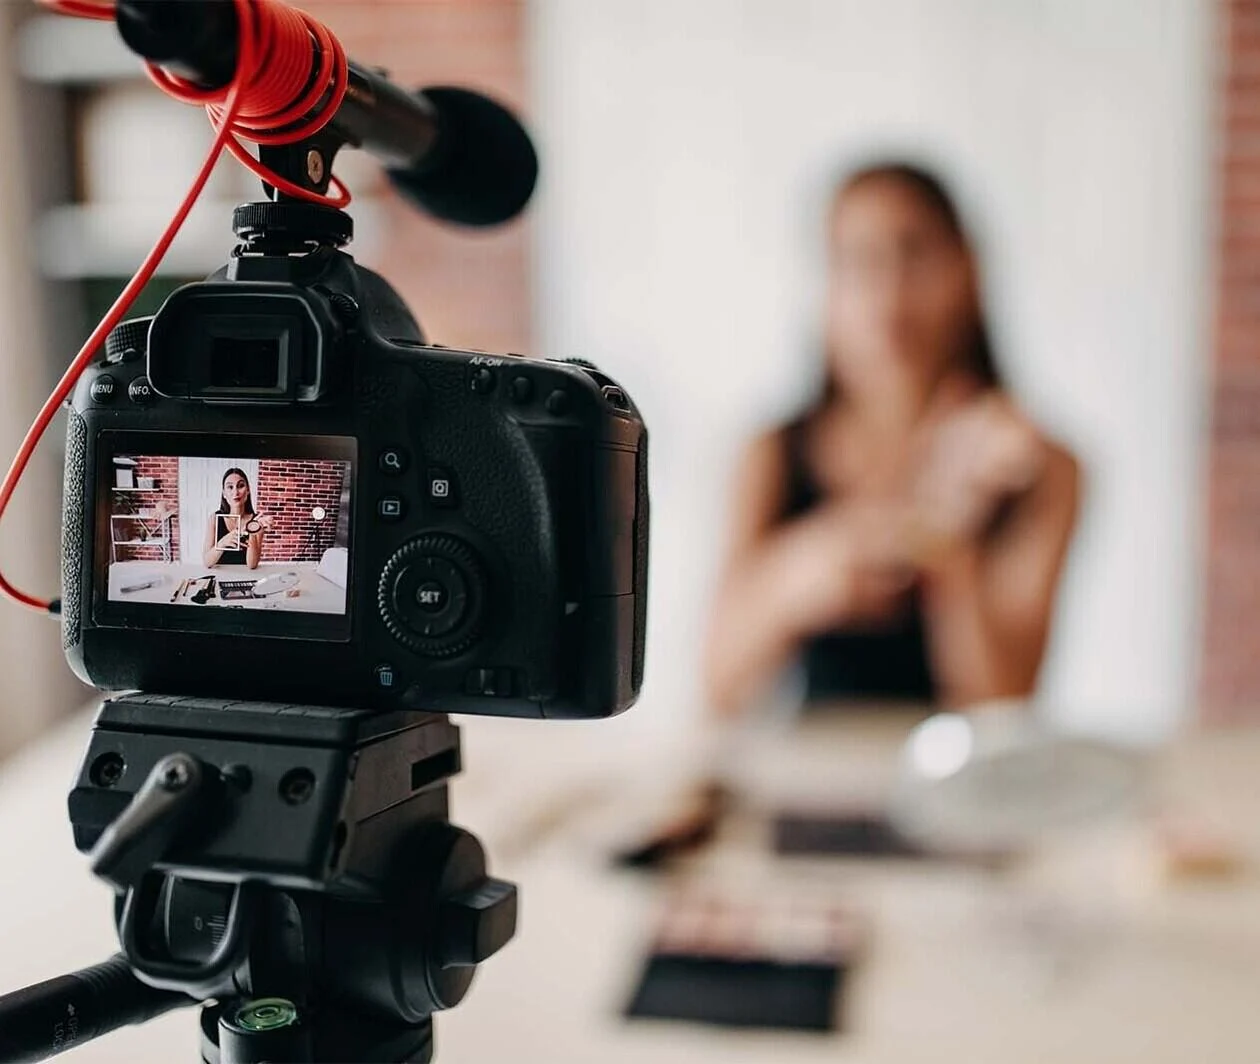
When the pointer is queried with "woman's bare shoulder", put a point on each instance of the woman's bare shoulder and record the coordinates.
(1061, 470)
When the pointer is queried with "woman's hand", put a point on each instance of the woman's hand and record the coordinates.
(265, 520)
(231, 540)
(977, 451)
(849, 562)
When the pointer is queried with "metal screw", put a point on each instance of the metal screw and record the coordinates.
(107, 769)
(176, 775)
(297, 786)
(314, 166)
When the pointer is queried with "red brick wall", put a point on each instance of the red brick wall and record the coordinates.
(289, 491)
(1230, 678)
(165, 472)
(469, 288)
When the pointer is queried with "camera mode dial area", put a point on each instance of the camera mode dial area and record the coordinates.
(430, 595)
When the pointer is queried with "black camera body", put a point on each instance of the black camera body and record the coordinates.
(412, 526)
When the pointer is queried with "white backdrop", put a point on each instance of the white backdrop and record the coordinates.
(36, 685)
(686, 145)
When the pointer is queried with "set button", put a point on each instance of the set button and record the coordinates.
(431, 595)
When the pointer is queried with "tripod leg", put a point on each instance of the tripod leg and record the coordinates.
(62, 1013)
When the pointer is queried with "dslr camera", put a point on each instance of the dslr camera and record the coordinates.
(275, 489)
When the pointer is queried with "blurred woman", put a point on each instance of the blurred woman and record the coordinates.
(904, 537)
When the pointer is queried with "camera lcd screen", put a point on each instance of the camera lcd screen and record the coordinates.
(254, 539)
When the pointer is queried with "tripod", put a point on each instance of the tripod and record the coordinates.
(293, 863)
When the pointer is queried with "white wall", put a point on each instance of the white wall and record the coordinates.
(35, 683)
(686, 147)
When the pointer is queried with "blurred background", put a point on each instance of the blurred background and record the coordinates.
(1106, 157)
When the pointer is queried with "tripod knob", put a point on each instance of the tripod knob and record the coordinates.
(442, 916)
(476, 923)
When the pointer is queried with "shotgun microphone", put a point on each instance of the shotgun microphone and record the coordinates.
(455, 154)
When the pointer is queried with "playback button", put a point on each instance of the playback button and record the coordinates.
(390, 508)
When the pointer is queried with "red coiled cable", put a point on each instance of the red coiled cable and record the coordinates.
(271, 99)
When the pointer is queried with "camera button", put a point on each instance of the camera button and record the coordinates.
(390, 508)
(392, 461)
(432, 596)
(497, 683)
(522, 389)
(558, 403)
(615, 397)
(482, 380)
(141, 392)
(439, 484)
(104, 389)
(385, 676)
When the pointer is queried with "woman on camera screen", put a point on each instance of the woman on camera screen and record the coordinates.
(235, 533)
(903, 537)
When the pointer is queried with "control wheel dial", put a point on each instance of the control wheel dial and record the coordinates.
(431, 595)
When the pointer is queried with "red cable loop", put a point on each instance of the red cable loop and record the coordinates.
(271, 99)
(282, 102)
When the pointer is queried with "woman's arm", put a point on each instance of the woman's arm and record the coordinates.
(211, 552)
(989, 604)
(253, 548)
(783, 582)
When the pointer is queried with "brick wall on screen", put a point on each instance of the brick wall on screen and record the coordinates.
(1230, 678)
(289, 491)
(469, 288)
(165, 472)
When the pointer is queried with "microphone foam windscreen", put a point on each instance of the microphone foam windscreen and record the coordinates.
(482, 169)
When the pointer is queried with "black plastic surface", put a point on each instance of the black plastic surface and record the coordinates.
(554, 508)
(740, 993)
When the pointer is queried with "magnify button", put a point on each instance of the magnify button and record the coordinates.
(393, 461)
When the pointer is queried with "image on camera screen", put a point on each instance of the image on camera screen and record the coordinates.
(242, 533)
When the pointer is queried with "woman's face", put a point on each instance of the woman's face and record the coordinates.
(902, 297)
(235, 490)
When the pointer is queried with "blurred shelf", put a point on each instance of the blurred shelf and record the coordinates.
(82, 240)
(57, 50)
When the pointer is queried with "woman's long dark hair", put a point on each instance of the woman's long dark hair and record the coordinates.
(224, 508)
(933, 194)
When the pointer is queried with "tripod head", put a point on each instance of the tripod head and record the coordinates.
(293, 863)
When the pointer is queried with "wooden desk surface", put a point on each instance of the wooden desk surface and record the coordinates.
(960, 967)
(157, 583)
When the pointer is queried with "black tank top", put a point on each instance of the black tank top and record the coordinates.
(228, 557)
(889, 661)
